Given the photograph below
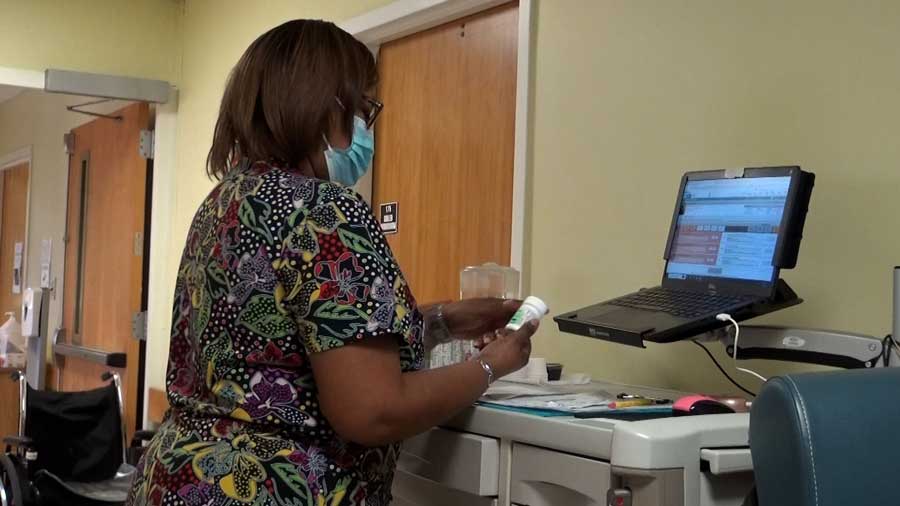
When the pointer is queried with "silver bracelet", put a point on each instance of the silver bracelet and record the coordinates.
(488, 369)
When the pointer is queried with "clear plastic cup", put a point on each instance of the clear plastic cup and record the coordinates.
(488, 280)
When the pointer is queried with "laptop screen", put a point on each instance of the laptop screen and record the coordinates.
(728, 228)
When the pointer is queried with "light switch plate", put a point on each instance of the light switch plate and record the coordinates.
(390, 217)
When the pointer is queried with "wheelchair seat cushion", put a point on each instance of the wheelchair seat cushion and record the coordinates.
(112, 491)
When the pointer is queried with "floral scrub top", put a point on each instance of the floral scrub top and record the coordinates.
(277, 266)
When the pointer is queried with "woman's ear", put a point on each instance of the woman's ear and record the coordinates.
(338, 136)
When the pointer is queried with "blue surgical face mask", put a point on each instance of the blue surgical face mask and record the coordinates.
(348, 165)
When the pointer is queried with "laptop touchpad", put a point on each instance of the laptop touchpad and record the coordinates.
(624, 319)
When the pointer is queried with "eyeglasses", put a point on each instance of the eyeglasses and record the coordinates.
(370, 114)
(375, 108)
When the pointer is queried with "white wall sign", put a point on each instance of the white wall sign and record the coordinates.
(46, 256)
(17, 268)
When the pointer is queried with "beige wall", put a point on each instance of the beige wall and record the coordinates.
(630, 94)
(39, 120)
(137, 38)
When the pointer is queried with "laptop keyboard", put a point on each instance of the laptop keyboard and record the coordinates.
(679, 303)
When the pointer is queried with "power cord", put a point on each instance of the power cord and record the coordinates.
(722, 370)
(725, 317)
(888, 344)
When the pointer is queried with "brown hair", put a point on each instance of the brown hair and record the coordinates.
(281, 96)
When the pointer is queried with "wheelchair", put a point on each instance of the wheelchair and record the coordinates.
(70, 448)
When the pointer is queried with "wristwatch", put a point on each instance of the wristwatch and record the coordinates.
(436, 327)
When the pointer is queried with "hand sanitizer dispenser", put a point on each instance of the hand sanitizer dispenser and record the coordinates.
(31, 313)
(34, 329)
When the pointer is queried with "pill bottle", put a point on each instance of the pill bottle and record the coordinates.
(532, 308)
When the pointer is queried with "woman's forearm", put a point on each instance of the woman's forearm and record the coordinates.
(368, 400)
(430, 397)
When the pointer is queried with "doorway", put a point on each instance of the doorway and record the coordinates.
(14, 193)
(14, 181)
(446, 146)
(40, 108)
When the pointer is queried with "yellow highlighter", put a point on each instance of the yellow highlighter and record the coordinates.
(630, 403)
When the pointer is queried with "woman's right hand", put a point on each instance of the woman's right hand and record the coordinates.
(509, 352)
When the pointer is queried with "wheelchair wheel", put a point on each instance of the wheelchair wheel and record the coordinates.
(13, 482)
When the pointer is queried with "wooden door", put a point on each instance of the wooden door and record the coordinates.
(13, 220)
(9, 399)
(444, 147)
(105, 250)
(14, 209)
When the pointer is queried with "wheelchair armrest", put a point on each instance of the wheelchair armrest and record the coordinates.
(19, 441)
(142, 435)
(134, 452)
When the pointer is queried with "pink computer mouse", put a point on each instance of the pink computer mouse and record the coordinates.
(699, 405)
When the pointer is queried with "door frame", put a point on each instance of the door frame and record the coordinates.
(162, 218)
(7, 161)
(405, 17)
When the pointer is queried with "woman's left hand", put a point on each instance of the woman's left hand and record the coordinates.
(473, 318)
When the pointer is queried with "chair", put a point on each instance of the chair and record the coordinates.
(70, 448)
(827, 439)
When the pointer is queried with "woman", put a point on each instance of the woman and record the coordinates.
(297, 348)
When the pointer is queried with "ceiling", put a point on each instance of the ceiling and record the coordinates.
(8, 92)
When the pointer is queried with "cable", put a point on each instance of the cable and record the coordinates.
(722, 370)
(888, 344)
(737, 334)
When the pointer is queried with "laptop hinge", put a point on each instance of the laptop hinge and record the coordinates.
(734, 173)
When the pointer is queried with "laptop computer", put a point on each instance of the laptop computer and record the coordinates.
(731, 233)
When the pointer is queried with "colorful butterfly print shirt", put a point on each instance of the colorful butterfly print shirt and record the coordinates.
(277, 266)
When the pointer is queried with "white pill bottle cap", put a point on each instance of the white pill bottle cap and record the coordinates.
(539, 306)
